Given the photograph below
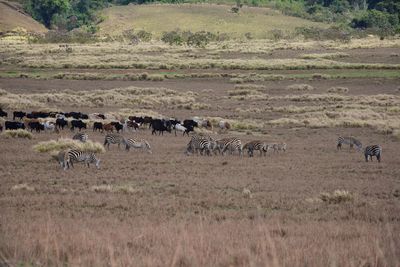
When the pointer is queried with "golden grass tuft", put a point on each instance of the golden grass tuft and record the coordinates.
(23, 187)
(125, 189)
(338, 196)
(325, 55)
(338, 90)
(65, 143)
(20, 133)
(300, 87)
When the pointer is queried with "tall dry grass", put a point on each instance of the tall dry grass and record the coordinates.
(65, 143)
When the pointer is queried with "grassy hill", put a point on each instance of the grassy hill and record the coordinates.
(159, 18)
(12, 16)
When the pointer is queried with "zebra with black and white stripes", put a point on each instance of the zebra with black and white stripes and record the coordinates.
(113, 138)
(82, 137)
(373, 150)
(76, 155)
(232, 144)
(350, 140)
(255, 145)
(143, 144)
(199, 143)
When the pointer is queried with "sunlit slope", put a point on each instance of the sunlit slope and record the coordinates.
(200, 17)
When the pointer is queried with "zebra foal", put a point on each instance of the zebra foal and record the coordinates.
(82, 137)
(373, 150)
(76, 155)
(112, 138)
(349, 140)
(143, 144)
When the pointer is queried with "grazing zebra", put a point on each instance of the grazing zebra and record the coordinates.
(348, 141)
(72, 155)
(143, 144)
(112, 138)
(278, 147)
(255, 145)
(233, 143)
(82, 137)
(199, 143)
(373, 150)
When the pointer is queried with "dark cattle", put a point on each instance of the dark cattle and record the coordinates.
(118, 126)
(101, 116)
(98, 126)
(108, 127)
(76, 115)
(160, 126)
(61, 123)
(188, 130)
(35, 125)
(77, 124)
(132, 124)
(18, 114)
(37, 115)
(147, 120)
(3, 113)
(138, 120)
(190, 123)
(174, 122)
(14, 125)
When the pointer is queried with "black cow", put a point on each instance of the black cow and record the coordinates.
(77, 124)
(61, 123)
(18, 114)
(101, 116)
(190, 123)
(35, 125)
(37, 115)
(188, 130)
(174, 122)
(76, 115)
(14, 125)
(3, 113)
(98, 126)
(160, 126)
(136, 119)
(147, 120)
(118, 126)
(132, 124)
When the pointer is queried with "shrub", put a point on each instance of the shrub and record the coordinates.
(277, 34)
(338, 89)
(300, 87)
(338, 196)
(20, 133)
(65, 143)
(172, 38)
(144, 36)
(387, 23)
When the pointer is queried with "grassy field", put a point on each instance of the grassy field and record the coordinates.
(312, 205)
(199, 17)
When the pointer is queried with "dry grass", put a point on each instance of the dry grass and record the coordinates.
(338, 90)
(125, 189)
(120, 97)
(204, 17)
(338, 196)
(65, 143)
(23, 187)
(325, 55)
(20, 133)
(300, 87)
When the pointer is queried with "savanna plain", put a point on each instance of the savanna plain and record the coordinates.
(312, 205)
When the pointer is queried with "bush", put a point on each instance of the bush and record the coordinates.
(376, 19)
(332, 33)
(172, 38)
(300, 87)
(200, 39)
(20, 133)
(144, 36)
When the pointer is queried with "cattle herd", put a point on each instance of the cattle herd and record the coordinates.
(200, 144)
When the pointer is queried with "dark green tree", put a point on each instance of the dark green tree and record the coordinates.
(44, 10)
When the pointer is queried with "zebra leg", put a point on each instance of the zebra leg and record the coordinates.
(378, 157)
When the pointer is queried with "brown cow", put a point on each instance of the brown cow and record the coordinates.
(108, 127)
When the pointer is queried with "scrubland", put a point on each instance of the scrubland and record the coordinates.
(311, 205)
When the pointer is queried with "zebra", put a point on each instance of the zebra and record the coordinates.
(373, 150)
(255, 145)
(348, 141)
(112, 138)
(143, 144)
(199, 143)
(72, 155)
(233, 143)
(82, 137)
(279, 147)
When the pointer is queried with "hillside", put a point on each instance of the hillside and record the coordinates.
(12, 16)
(214, 18)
